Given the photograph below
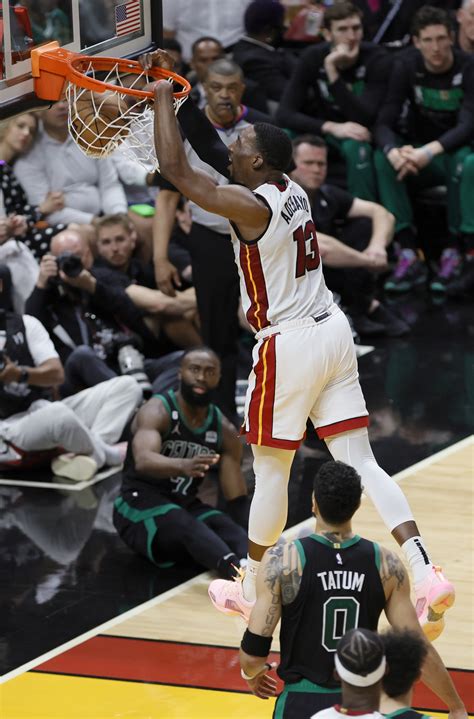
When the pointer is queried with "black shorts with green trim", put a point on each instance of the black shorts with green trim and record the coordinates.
(300, 700)
(149, 524)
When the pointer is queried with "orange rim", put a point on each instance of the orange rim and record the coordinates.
(52, 65)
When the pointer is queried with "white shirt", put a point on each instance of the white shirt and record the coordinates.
(90, 185)
(38, 340)
(192, 19)
(332, 713)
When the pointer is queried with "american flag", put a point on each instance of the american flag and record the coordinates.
(128, 17)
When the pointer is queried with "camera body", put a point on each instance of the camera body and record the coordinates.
(70, 264)
(3, 360)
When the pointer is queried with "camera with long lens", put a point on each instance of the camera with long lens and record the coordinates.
(131, 362)
(121, 349)
(3, 360)
(70, 264)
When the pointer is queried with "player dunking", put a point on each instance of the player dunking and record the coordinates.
(304, 359)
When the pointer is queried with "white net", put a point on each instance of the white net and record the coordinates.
(101, 122)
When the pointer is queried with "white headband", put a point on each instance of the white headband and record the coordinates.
(356, 679)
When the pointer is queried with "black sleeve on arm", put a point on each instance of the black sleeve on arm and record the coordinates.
(37, 306)
(203, 137)
(398, 91)
(295, 96)
(363, 109)
(463, 132)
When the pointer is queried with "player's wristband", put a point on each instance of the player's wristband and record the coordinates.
(255, 645)
(247, 677)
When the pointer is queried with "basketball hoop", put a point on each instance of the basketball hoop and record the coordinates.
(106, 105)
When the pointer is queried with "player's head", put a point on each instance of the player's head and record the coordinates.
(224, 86)
(310, 156)
(265, 20)
(343, 25)
(405, 652)
(433, 36)
(17, 135)
(115, 239)
(55, 118)
(360, 663)
(337, 491)
(171, 45)
(199, 375)
(259, 151)
(71, 240)
(205, 51)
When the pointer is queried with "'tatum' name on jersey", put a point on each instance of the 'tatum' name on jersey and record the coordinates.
(292, 205)
(342, 579)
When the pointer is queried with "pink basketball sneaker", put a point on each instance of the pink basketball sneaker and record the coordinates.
(228, 597)
(434, 595)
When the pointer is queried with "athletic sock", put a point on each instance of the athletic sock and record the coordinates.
(418, 559)
(250, 580)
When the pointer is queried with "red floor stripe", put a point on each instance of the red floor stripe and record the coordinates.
(194, 665)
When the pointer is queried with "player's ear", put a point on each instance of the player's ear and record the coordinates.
(327, 34)
(257, 162)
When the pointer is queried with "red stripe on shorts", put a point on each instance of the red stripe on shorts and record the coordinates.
(262, 401)
(254, 278)
(345, 425)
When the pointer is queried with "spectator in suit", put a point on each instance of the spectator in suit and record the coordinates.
(336, 90)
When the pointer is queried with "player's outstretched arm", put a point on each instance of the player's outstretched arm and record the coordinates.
(264, 618)
(401, 615)
(234, 202)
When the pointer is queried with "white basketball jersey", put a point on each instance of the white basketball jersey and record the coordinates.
(280, 273)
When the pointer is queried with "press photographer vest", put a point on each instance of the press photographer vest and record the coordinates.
(16, 397)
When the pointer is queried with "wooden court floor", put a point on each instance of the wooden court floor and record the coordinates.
(175, 657)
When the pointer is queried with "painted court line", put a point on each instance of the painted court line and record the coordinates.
(205, 576)
(76, 487)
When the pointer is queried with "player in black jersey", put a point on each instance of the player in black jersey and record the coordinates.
(405, 653)
(178, 437)
(321, 586)
(424, 132)
(336, 90)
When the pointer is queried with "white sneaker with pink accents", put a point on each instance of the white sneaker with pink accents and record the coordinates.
(228, 597)
(434, 595)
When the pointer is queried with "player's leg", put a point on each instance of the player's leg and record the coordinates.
(172, 535)
(229, 531)
(267, 519)
(434, 594)
(340, 417)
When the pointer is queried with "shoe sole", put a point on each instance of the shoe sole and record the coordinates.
(80, 468)
(443, 602)
(225, 610)
(432, 630)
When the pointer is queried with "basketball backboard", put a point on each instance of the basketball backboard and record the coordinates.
(116, 28)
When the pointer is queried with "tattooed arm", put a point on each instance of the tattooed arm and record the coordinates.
(401, 615)
(278, 581)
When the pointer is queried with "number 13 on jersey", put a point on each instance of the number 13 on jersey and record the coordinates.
(306, 261)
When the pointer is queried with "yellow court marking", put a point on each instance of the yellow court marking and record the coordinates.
(48, 696)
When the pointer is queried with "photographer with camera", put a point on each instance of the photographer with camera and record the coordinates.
(34, 428)
(88, 320)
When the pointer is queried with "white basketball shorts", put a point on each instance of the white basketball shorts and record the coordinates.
(303, 369)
